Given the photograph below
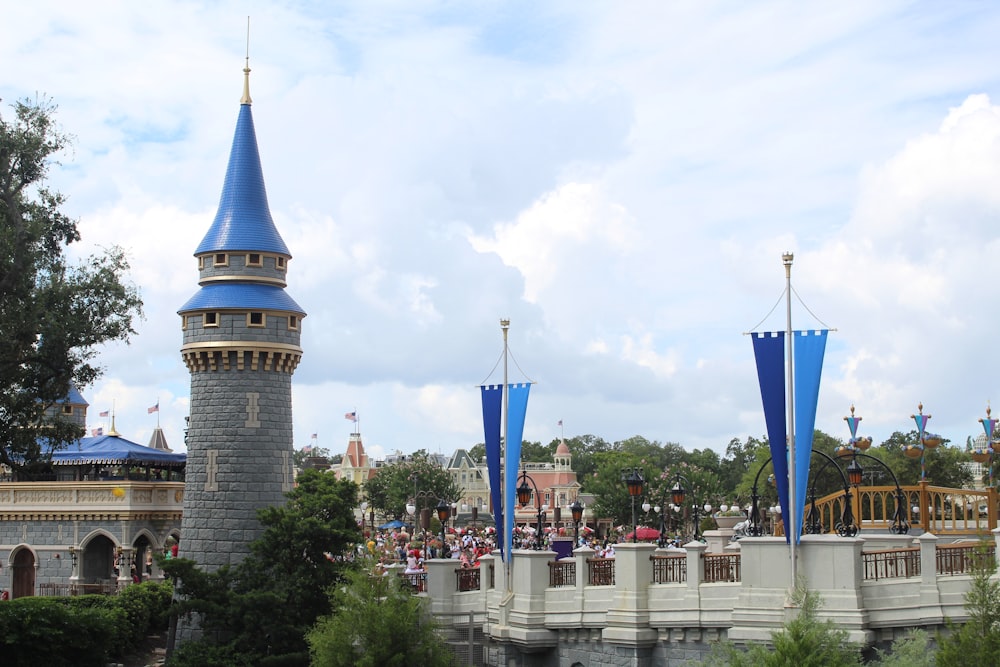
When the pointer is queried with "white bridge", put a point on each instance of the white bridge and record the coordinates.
(667, 606)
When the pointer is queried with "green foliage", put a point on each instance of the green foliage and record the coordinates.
(977, 641)
(943, 463)
(394, 485)
(914, 650)
(84, 630)
(54, 315)
(259, 611)
(805, 641)
(375, 623)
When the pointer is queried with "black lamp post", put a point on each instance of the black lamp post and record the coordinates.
(577, 510)
(524, 497)
(677, 495)
(444, 511)
(634, 481)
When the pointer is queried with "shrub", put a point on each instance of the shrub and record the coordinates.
(803, 642)
(45, 631)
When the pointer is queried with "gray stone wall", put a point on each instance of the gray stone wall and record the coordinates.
(239, 460)
(50, 542)
(584, 648)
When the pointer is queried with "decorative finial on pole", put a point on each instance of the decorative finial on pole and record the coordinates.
(246, 71)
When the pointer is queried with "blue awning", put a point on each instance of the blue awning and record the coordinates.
(115, 450)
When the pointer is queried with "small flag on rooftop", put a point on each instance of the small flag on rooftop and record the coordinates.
(155, 408)
(106, 413)
(351, 416)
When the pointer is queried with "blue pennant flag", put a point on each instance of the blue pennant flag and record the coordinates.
(517, 410)
(492, 406)
(769, 351)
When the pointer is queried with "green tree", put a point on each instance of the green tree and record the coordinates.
(478, 452)
(584, 448)
(943, 463)
(977, 641)
(376, 622)
(299, 456)
(805, 641)
(266, 605)
(54, 314)
(417, 477)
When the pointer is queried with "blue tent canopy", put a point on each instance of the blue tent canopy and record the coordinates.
(395, 523)
(115, 450)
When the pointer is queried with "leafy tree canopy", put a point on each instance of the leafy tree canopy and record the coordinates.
(54, 314)
(416, 477)
(266, 604)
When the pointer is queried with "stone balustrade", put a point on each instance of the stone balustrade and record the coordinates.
(28, 501)
(658, 609)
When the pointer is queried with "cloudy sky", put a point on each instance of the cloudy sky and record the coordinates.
(619, 180)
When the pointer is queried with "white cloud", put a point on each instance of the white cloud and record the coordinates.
(620, 184)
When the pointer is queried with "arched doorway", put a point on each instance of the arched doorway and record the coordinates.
(141, 548)
(98, 561)
(23, 567)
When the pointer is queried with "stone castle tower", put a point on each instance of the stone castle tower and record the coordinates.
(241, 346)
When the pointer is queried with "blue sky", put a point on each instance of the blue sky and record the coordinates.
(618, 180)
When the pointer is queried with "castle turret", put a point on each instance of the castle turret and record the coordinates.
(241, 346)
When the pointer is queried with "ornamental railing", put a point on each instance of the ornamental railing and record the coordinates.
(890, 563)
(721, 568)
(602, 571)
(964, 558)
(669, 569)
(562, 573)
(468, 579)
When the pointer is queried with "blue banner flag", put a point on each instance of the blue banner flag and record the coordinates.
(492, 406)
(769, 351)
(809, 349)
(517, 410)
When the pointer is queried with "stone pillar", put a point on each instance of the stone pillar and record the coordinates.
(442, 583)
(831, 566)
(628, 617)
(526, 616)
(930, 596)
(765, 581)
(582, 554)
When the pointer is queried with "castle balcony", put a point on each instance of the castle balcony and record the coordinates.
(84, 500)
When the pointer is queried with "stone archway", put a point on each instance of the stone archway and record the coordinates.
(23, 574)
(142, 548)
(97, 563)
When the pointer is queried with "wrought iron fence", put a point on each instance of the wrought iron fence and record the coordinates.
(468, 579)
(721, 568)
(963, 558)
(602, 571)
(669, 569)
(562, 573)
(891, 563)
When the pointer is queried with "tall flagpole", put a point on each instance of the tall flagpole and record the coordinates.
(787, 258)
(505, 401)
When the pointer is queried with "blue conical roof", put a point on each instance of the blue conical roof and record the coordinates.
(243, 222)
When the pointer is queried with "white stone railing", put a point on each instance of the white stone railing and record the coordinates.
(526, 610)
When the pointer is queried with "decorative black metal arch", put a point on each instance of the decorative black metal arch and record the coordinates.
(846, 526)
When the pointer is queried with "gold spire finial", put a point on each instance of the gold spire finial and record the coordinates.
(246, 71)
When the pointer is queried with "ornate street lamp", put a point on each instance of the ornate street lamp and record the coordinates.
(634, 482)
(444, 511)
(577, 510)
(364, 507)
(524, 497)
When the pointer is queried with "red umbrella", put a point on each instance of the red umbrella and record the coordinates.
(644, 534)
